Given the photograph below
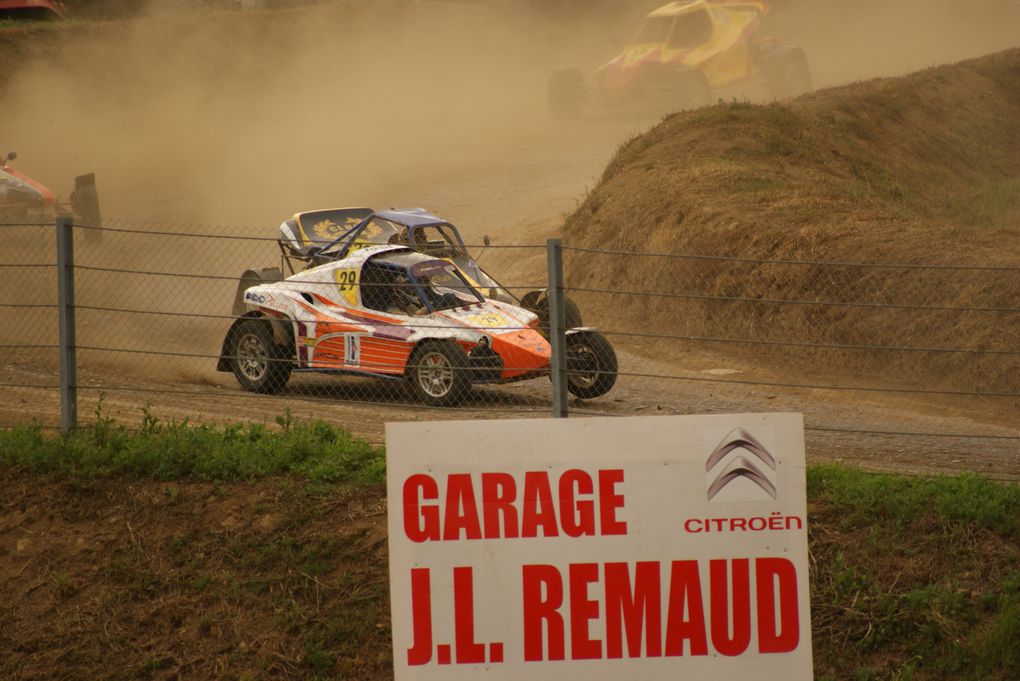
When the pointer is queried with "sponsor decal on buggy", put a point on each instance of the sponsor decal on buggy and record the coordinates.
(327, 229)
(489, 320)
(588, 548)
(352, 349)
(257, 298)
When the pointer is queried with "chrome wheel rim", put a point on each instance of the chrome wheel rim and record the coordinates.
(252, 358)
(435, 375)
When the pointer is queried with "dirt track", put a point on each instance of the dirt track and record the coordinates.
(307, 120)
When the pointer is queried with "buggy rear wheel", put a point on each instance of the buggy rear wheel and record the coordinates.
(665, 90)
(439, 373)
(258, 363)
(789, 74)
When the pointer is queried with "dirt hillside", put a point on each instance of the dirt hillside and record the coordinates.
(923, 169)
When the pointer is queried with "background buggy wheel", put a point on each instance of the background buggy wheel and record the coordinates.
(695, 91)
(567, 94)
(789, 74)
(258, 363)
(439, 373)
(664, 90)
(591, 365)
(538, 302)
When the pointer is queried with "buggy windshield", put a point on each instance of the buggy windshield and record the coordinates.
(443, 286)
(654, 30)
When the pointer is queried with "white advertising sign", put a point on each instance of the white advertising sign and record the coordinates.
(599, 548)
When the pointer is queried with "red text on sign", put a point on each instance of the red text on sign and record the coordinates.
(497, 506)
(559, 608)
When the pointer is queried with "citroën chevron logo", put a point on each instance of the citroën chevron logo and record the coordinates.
(730, 459)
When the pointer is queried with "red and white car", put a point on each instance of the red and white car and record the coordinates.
(24, 199)
(391, 312)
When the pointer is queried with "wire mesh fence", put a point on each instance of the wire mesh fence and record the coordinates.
(161, 317)
(28, 321)
(913, 364)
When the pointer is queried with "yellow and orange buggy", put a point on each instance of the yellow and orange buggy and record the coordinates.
(685, 53)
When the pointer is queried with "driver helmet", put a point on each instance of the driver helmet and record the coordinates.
(402, 287)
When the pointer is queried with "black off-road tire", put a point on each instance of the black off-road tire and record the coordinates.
(695, 90)
(439, 373)
(788, 73)
(591, 365)
(258, 362)
(664, 90)
(567, 94)
(539, 304)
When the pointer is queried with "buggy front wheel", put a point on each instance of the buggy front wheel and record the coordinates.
(591, 365)
(439, 373)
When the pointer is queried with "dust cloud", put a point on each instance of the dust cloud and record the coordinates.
(244, 118)
(850, 40)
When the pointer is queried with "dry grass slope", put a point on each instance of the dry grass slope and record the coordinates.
(923, 169)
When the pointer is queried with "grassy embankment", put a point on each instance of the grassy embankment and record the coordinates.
(248, 550)
(921, 170)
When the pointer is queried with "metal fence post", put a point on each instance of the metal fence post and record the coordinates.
(557, 330)
(65, 314)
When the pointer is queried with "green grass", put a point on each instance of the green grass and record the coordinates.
(901, 502)
(170, 451)
(995, 206)
(915, 578)
(912, 577)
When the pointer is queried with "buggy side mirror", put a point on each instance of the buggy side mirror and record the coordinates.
(11, 156)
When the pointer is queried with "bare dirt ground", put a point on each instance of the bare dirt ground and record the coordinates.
(230, 125)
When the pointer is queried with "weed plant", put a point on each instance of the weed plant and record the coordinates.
(173, 450)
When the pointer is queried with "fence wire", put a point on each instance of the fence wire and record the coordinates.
(155, 308)
(905, 364)
(901, 362)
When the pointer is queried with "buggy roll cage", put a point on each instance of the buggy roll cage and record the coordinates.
(340, 247)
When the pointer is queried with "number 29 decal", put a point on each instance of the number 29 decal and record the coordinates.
(347, 282)
(346, 279)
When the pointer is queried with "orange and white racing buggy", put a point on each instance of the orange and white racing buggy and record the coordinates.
(393, 313)
(22, 198)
